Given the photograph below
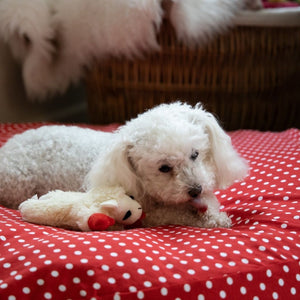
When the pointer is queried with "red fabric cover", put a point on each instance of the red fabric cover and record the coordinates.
(258, 258)
(280, 3)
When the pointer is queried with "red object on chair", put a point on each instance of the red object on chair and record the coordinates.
(279, 4)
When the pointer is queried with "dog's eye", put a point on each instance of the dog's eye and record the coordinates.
(194, 155)
(165, 169)
(131, 197)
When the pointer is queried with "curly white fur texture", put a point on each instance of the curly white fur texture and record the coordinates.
(45, 159)
(164, 156)
(57, 40)
(168, 158)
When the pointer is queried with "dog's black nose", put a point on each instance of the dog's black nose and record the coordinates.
(195, 191)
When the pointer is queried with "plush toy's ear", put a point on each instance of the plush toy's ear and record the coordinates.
(109, 204)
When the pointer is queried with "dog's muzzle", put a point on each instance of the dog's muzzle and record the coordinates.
(196, 199)
(195, 191)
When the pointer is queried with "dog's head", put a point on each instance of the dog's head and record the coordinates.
(172, 153)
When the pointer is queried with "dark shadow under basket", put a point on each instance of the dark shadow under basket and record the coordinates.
(249, 78)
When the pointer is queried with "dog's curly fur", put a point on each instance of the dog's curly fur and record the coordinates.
(168, 158)
(45, 159)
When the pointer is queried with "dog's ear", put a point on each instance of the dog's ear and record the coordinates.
(113, 168)
(229, 165)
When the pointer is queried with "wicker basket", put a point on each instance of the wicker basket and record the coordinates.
(249, 78)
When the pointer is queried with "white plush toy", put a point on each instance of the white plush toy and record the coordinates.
(97, 209)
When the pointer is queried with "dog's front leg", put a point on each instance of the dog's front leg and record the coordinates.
(185, 214)
(171, 215)
(212, 217)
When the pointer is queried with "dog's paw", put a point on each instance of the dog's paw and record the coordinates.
(212, 220)
(223, 220)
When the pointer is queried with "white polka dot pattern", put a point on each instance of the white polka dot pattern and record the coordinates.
(258, 258)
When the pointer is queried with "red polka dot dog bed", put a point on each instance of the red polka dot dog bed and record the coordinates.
(258, 258)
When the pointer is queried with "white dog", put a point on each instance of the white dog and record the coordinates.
(171, 159)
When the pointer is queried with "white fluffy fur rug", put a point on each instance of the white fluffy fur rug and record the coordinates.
(55, 41)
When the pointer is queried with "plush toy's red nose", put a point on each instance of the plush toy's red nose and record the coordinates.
(137, 223)
(143, 216)
(100, 222)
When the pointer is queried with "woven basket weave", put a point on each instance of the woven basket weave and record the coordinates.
(249, 78)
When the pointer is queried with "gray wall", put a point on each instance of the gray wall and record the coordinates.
(15, 107)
